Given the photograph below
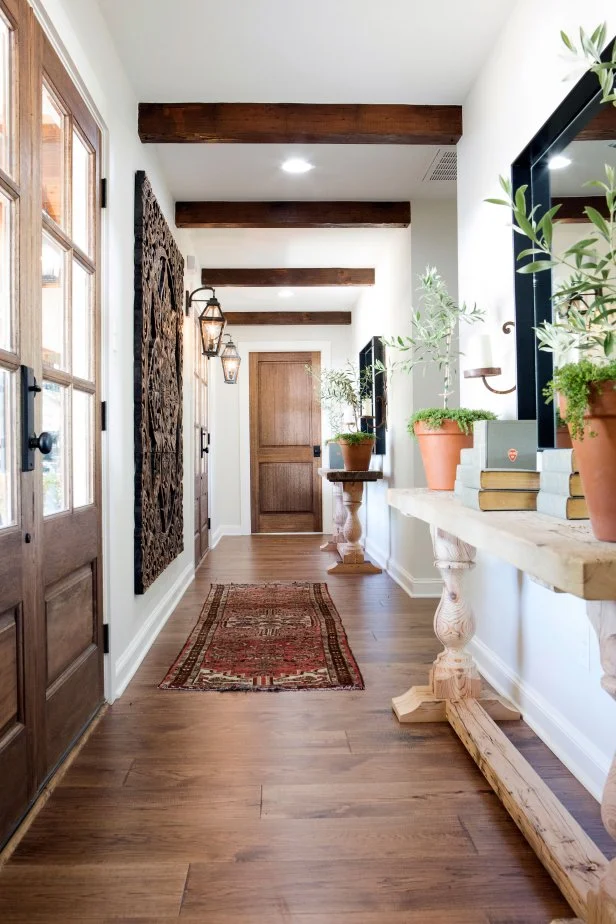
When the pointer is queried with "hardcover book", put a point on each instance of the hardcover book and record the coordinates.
(559, 460)
(498, 500)
(565, 508)
(509, 444)
(563, 483)
(497, 478)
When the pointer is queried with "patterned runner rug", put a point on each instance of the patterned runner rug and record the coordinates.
(266, 637)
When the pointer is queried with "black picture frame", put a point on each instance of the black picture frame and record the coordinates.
(375, 388)
(533, 303)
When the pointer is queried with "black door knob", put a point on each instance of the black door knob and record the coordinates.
(43, 442)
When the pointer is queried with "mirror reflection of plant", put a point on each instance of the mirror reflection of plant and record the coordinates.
(584, 316)
(339, 389)
(434, 337)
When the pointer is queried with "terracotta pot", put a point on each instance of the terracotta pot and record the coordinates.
(596, 456)
(563, 438)
(356, 456)
(440, 452)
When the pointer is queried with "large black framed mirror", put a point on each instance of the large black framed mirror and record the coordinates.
(572, 147)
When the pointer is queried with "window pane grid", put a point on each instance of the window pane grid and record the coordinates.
(7, 274)
(9, 502)
(56, 489)
(54, 307)
(53, 159)
(6, 96)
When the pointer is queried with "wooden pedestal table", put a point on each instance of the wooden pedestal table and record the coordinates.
(563, 556)
(348, 494)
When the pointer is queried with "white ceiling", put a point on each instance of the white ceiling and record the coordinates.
(323, 298)
(341, 171)
(321, 51)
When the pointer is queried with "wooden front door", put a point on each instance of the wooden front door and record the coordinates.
(51, 654)
(285, 434)
(202, 448)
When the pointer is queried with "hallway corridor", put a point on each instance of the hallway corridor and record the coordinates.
(315, 808)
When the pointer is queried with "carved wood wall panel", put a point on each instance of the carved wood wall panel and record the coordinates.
(158, 318)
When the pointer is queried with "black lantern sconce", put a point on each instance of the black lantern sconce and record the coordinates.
(211, 320)
(231, 360)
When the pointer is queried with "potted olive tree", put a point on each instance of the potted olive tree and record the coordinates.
(340, 392)
(442, 432)
(582, 334)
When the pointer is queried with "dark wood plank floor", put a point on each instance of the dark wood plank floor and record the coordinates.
(315, 808)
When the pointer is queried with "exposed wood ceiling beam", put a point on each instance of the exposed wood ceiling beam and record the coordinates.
(282, 123)
(288, 317)
(601, 128)
(292, 214)
(309, 276)
(572, 207)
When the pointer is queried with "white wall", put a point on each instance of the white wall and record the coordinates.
(534, 644)
(402, 544)
(134, 620)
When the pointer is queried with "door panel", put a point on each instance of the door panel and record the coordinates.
(51, 679)
(285, 426)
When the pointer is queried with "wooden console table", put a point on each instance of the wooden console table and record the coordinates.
(565, 557)
(348, 494)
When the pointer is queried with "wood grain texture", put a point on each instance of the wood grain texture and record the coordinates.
(572, 859)
(366, 821)
(261, 318)
(564, 555)
(10, 671)
(158, 320)
(275, 123)
(282, 276)
(601, 128)
(305, 214)
(572, 207)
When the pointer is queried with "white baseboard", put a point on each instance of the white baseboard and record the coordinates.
(414, 587)
(577, 753)
(128, 662)
(224, 531)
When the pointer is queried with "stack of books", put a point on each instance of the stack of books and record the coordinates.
(560, 492)
(495, 488)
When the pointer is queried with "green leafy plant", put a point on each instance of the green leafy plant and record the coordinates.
(434, 337)
(584, 302)
(339, 389)
(435, 417)
(352, 439)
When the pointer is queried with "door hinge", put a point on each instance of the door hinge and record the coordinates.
(209, 523)
(105, 638)
(104, 193)
(103, 415)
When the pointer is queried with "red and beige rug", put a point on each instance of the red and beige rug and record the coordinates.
(266, 637)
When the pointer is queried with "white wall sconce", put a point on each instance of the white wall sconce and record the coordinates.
(479, 358)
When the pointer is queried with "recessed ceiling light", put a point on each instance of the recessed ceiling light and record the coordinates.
(558, 162)
(285, 293)
(297, 165)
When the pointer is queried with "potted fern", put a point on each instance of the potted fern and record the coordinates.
(341, 392)
(442, 432)
(582, 334)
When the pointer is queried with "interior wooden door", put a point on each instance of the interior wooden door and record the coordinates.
(285, 443)
(70, 556)
(19, 637)
(202, 443)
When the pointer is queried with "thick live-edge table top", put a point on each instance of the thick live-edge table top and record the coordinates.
(561, 554)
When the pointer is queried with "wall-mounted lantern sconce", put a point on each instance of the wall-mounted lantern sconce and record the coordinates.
(231, 360)
(480, 357)
(211, 320)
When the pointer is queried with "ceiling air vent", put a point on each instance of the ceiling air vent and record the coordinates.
(443, 167)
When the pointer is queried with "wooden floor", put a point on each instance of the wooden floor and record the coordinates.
(264, 808)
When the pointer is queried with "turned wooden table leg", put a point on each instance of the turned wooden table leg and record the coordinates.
(339, 518)
(602, 901)
(454, 674)
(350, 549)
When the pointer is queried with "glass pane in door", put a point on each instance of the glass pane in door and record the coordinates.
(53, 158)
(54, 304)
(6, 272)
(8, 450)
(55, 467)
(82, 160)
(82, 322)
(5, 95)
(83, 448)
